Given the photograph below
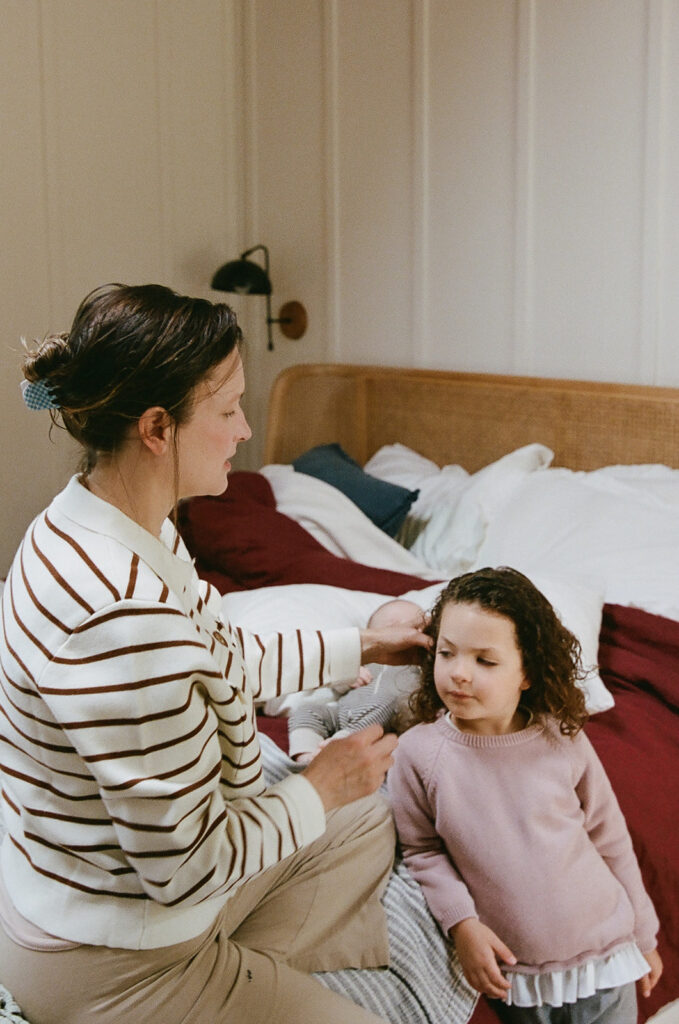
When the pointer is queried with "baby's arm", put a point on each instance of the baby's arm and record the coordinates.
(308, 727)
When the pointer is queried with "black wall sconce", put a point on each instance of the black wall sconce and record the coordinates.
(244, 277)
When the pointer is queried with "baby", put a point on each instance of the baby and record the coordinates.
(380, 698)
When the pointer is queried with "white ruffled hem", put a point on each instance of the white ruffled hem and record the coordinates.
(554, 988)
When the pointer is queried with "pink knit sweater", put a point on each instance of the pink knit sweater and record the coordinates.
(524, 832)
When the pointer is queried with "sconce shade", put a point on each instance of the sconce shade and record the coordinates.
(247, 278)
(243, 277)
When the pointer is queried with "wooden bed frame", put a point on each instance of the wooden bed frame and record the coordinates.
(469, 419)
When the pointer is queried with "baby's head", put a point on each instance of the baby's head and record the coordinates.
(550, 654)
(397, 612)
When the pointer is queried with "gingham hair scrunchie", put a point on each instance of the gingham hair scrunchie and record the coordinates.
(38, 395)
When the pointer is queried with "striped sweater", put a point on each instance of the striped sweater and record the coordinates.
(130, 768)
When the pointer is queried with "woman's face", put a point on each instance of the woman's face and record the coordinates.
(208, 440)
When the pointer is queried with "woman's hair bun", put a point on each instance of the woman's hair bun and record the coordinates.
(47, 359)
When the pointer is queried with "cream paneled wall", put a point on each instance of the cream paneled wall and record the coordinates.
(497, 178)
(474, 184)
(121, 132)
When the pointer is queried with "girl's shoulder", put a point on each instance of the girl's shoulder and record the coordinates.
(425, 737)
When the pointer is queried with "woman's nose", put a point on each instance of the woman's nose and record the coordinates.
(245, 432)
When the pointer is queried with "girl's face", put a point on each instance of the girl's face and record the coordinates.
(209, 438)
(478, 670)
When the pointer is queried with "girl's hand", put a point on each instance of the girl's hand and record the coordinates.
(478, 949)
(649, 981)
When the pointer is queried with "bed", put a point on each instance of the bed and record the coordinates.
(576, 483)
(382, 482)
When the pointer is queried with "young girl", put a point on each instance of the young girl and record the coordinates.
(507, 819)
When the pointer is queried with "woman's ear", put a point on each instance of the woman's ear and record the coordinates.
(155, 427)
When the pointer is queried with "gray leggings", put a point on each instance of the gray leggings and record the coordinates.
(609, 1006)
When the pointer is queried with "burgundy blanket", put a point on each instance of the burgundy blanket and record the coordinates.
(241, 541)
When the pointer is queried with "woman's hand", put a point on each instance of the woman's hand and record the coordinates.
(400, 644)
(479, 949)
(649, 981)
(352, 767)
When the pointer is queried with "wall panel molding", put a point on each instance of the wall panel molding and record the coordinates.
(524, 187)
(654, 198)
(421, 341)
(331, 159)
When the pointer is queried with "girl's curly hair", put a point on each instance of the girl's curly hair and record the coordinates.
(550, 654)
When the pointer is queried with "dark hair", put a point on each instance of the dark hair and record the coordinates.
(550, 654)
(130, 347)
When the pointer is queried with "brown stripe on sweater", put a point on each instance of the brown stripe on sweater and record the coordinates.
(121, 687)
(122, 613)
(43, 722)
(322, 664)
(232, 784)
(214, 770)
(66, 691)
(241, 764)
(132, 580)
(275, 796)
(291, 826)
(153, 716)
(58, 578)
(84, 556)
(26, 690)
(301, 659)
(70, 852)
(38, 604)
(237, 744)
(258, 824)
(27, 632)
(280, 664)
(35, 781)
(77, 885)
(262, 649)
(194, 888)
(164, 593)
(59, 748)
(187, 852)
(112, 755)
(119, 652)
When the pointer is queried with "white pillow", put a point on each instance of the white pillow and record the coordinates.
(299, 606)
(619, 527)
(400, 465)
(579, 605)
(456, 529)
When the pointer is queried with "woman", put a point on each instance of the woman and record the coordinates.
(148, 873)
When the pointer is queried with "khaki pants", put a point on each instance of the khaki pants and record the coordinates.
(318, 910)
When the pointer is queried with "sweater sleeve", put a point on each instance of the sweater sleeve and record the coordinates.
(606, 827)
(133, 689)
(424, 852)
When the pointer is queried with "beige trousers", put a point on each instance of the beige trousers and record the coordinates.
(318, 910)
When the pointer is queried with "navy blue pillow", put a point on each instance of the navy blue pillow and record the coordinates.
(385, 504)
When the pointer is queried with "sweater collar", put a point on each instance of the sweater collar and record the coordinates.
(472, 739)
(85, 509)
